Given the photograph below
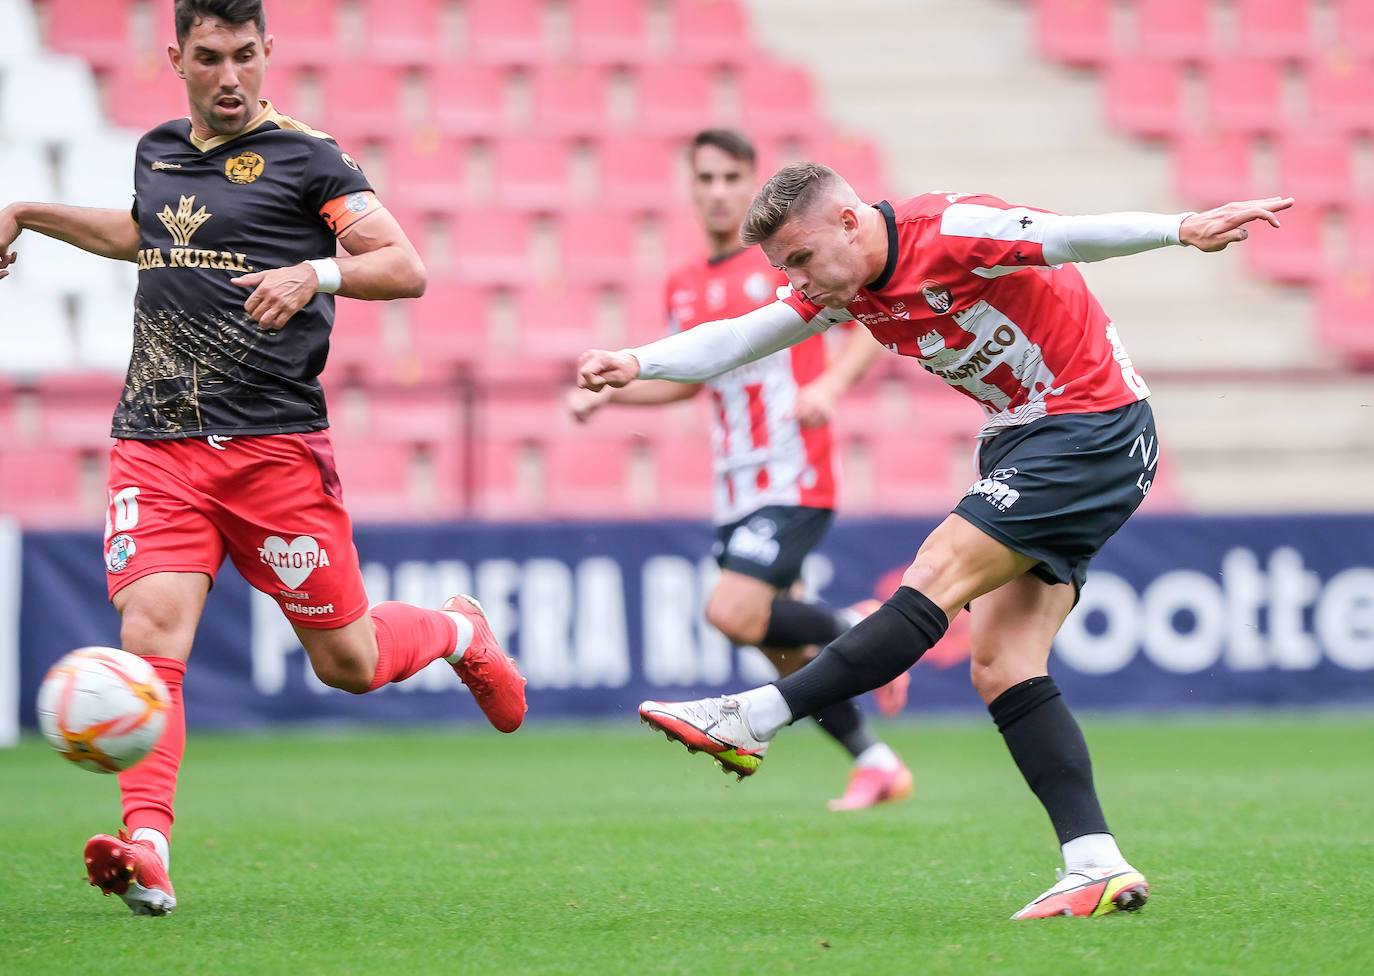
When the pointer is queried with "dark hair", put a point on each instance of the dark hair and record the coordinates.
(788, 192)
(732, 143)
(188, 13)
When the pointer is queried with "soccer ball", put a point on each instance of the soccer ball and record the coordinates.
(102, 708)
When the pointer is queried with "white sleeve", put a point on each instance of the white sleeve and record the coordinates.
(1104, 236)
(713, 348)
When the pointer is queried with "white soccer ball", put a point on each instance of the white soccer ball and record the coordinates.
(103, 709)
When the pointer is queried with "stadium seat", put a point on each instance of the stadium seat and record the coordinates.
(508, 476)
(40, 340)
(105, 329)
(1212, 168)
(610, 32)
(507, 32)
(1340, 92)
(1075, 32)
(1345, 315)
(143, 94)
(429, 174)
(683, 467)
(1294, 254)
(44, 485)
(494, 246)
(1178, 29)
(675, 99)
(711, 32)
(597, 245)
(554, 324)
(376, 477)
(570, 99)
(464, 98)
(533, 171)
(404, 32)
(306, 31)
(19, 40)
(1280, 30)
(1244, 94)
(96, 170)
(1359, 234)
(53, 79)
(1145, 96)
(434, 411)
(28, 173)
(856, 159)
(99, 33)
(361, 101)
(637, 172)
(777, 100)
(1315, 167)
(1355, 26)
(593, 474)
(75, 409)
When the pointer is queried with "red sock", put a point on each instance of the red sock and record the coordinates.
(148, 788)
(408, 639)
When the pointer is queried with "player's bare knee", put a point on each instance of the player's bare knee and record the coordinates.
(742, 624)
(345, 673)
(154, 627)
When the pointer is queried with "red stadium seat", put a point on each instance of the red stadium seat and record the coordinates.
(1178, 29)
(596, 475)
(508, 476)
(466, 99)
(449, 323)
(404, 32)
(1355, 26)
(713, 32)
(638, 173)
(306, 31)
(1280, 30)
(554, 324)
(52, 485)
(533, 171)
(1359, 233)
(361, 101)
(1245, 94)
(777, 100)
(142, 93)
(1294, 254)
(75, 409)
(1340, 92)
(508, 32)
(571, 99)
(610, 32)
(683, 465)
(1315, 167)
(597, 245)
(492, 246)
(1212, 168)
(1345, 315)
(1145, 96)
(429, 174)
(1075, 32)
(102, 33)
(857, 160)
(675, 99)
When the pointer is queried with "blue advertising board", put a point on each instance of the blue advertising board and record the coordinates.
(1179, 611)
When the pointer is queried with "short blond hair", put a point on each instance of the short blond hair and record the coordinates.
(789, 192)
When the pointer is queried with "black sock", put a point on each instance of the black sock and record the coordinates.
(868, 655)
(1048, 747)
(844, 723)
(793, 623)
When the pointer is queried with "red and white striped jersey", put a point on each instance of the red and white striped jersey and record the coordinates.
(967, 292)
(762, 455)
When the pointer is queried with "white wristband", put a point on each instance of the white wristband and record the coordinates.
(327, 270)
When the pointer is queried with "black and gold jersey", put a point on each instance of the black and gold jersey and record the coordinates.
(209, 211)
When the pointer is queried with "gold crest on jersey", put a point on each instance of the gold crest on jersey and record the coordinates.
(244, 168)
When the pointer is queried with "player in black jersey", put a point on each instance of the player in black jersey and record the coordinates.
(220, 435)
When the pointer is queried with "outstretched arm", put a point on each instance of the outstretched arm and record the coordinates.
(815, 403)
(703, 352)
(583, 403)
(109, 233)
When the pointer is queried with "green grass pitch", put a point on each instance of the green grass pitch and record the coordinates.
(604, 849)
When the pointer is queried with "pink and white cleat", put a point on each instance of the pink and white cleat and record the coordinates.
(491, 676)
(1091, 891)
(132, 870)
(869, 786)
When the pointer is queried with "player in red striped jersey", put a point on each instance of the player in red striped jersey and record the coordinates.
(983, 295)
(774, 464)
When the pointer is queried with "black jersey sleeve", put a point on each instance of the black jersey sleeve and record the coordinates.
(330, 174)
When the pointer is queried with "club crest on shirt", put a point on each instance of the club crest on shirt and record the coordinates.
(244, 168)
(937, 296)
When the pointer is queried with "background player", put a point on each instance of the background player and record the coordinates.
(220, 433)
(774, 464)
(974, 288)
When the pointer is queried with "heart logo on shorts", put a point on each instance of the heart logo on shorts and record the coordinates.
(293, 562)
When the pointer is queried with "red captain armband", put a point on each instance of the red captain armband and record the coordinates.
(343, 212)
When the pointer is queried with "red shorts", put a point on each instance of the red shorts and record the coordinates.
(271, 502)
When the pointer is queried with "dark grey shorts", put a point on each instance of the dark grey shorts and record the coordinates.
(1057, 488)
(770, 543)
